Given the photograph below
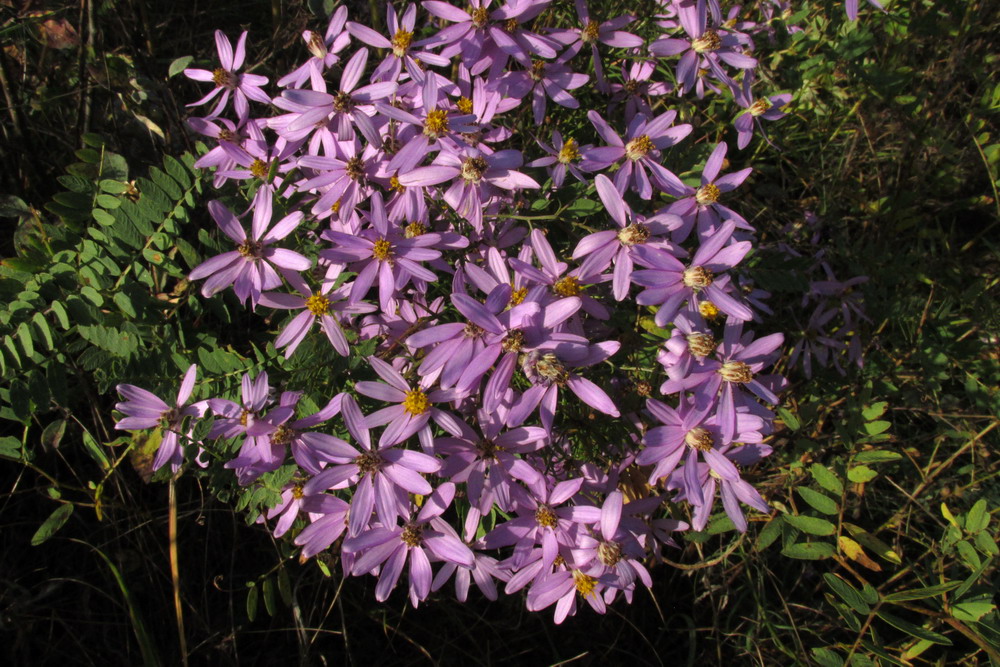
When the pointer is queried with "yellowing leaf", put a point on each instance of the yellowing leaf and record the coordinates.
(946, 513)
(855, 552)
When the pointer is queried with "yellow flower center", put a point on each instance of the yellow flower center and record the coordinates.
(414, 229)
(382, 250)
(401, 42)
(518, 295)
(342, 102)
(368, 462)
(639, 147)
(590, 32)
(250, 249)
(510, 25)
(585, 584)
(537, 70)
(698, 438)
(316, 45)
(259, 169)
(480, 15)
(736, 371)
(473, 169)
(567, 286)
(222, 78)
(570, 152)
(464, 104)
(609, 553)
(282, 436)
(697, 277)
(551, 369)
(707, 194)
(513, 342)
(710, 41)
(760, 106)
(634, 234)
(318, 304)
(708, 310)
(335, 207)
(416, 402)
(412, 533)
(701, 344)
(297, 492)
(545, 517)
(436, 123)
(394, 184)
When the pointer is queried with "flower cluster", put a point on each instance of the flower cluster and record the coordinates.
(410, 170)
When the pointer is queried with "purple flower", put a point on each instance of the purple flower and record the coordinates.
(143, 410)
(705, 48)
(384, 474)
(701, 206)
(756, 109)
(384, 253)
(639, 154)
(542, 80)
(636, 87)
(324, 306)
(669, 283)
(399, 46)
(249, 268)
(391, 547)
(348, 107)
(615, 247)
(608, 33)
(324, 50)
(414, 408)
(689, 434)
(227, 80)
(852, 8)
(564, 155)
(478, 177)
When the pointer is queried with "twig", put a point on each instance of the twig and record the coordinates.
(175, 567)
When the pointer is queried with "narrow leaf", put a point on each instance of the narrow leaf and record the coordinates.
(55, 521)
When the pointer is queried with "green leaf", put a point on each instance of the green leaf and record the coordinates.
(95, 451)
(827, 658)
(53, 434)
(24, 336)
(268, 593)
(108, 202)
(102, 217)
(124, 303)
(877, 456)
(922, 593)
(790, 420)
(55, 521)
(285, 587)
(818, 501)
(973, 609)
(978, 517)
(10, 448)
(861, 474)
(968, 554)
(114, 187)
(810, 524)
(911, 629)
(809, 550)
(177, 171)
(826, 479)
(847, 593)
(92, 295)
(252, 595)
(583, 207)
(768, 534)
(874, 411)
(178, 66)
(874, 428)
(60, 313)
(43, 328)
